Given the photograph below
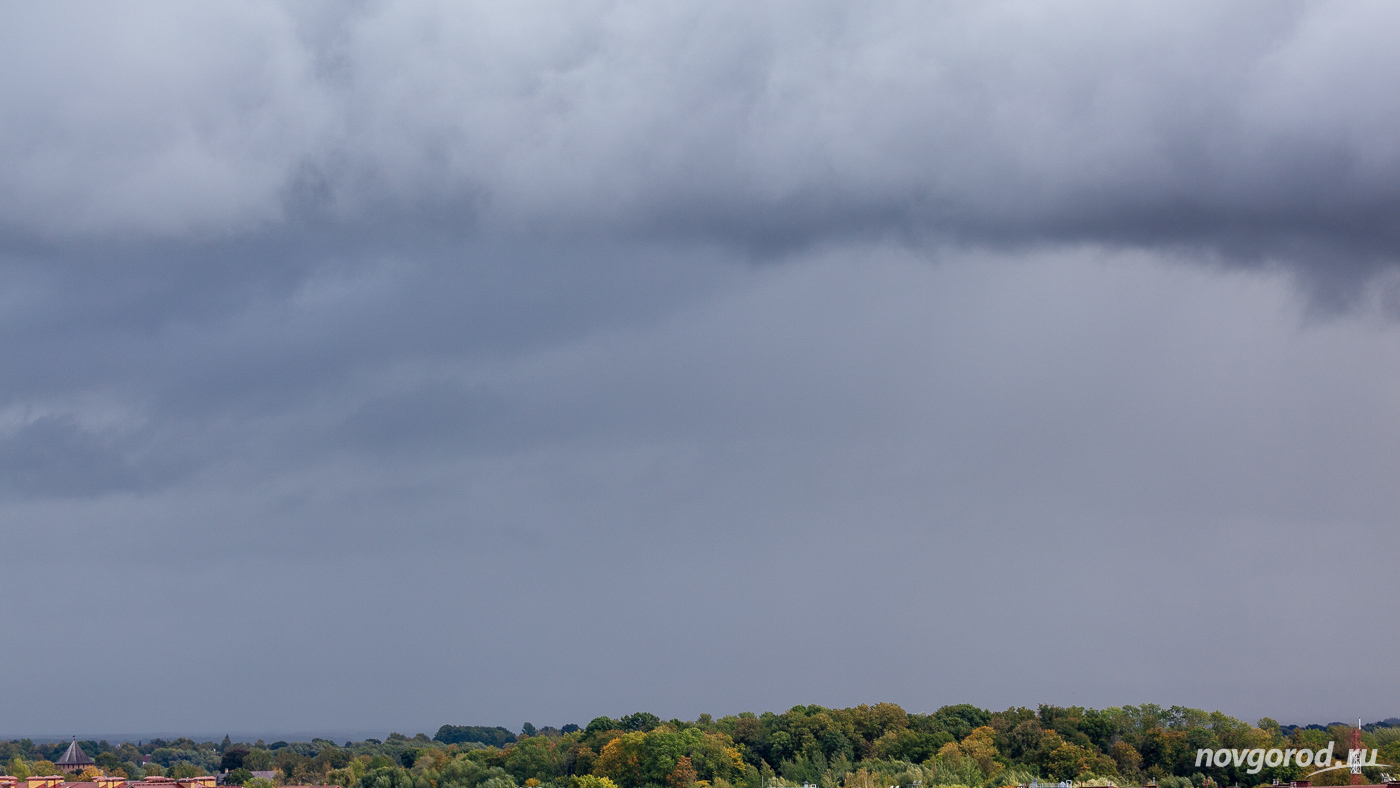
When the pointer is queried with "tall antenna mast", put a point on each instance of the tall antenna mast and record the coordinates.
(1356, 753)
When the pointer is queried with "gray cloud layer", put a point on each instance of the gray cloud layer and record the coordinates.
(431, 363)
(1249, 125)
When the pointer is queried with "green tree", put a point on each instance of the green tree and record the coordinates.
(602, 725)
(233, 758)
(1127, 758)
(1023, 741)
(464, 772)
(640, 721)
(258, 760)
(185, 769)
(534, 757)
(391, 777)
(459, 734)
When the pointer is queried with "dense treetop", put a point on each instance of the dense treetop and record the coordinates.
(860, 747)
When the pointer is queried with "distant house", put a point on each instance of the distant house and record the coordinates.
(205, 781)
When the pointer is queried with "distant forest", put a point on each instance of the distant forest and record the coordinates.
(862, 747)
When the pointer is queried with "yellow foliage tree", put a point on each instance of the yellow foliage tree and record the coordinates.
(432, 758)
(980, 746)
(591, 781)
(950, 754)
(621, 759)
(1069, 761)
(89, 774)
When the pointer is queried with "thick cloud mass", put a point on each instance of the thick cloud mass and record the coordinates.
(1244, 125)
(398, 364)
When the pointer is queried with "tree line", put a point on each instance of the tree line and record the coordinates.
(866, 746)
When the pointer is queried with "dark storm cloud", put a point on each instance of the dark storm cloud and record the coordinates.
(1257, 130)
(431, 334)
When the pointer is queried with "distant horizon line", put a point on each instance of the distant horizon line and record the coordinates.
(343, 735)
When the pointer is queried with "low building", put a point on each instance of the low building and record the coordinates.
(102, 781)
(207, 781)
(57, 781)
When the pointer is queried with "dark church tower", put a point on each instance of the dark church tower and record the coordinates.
(74, 760)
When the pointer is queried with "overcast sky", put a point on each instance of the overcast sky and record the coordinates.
(374, 366)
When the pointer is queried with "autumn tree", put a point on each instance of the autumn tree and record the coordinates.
(980, 746)
(1127, 758)
(683, 776)
(621, 760)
